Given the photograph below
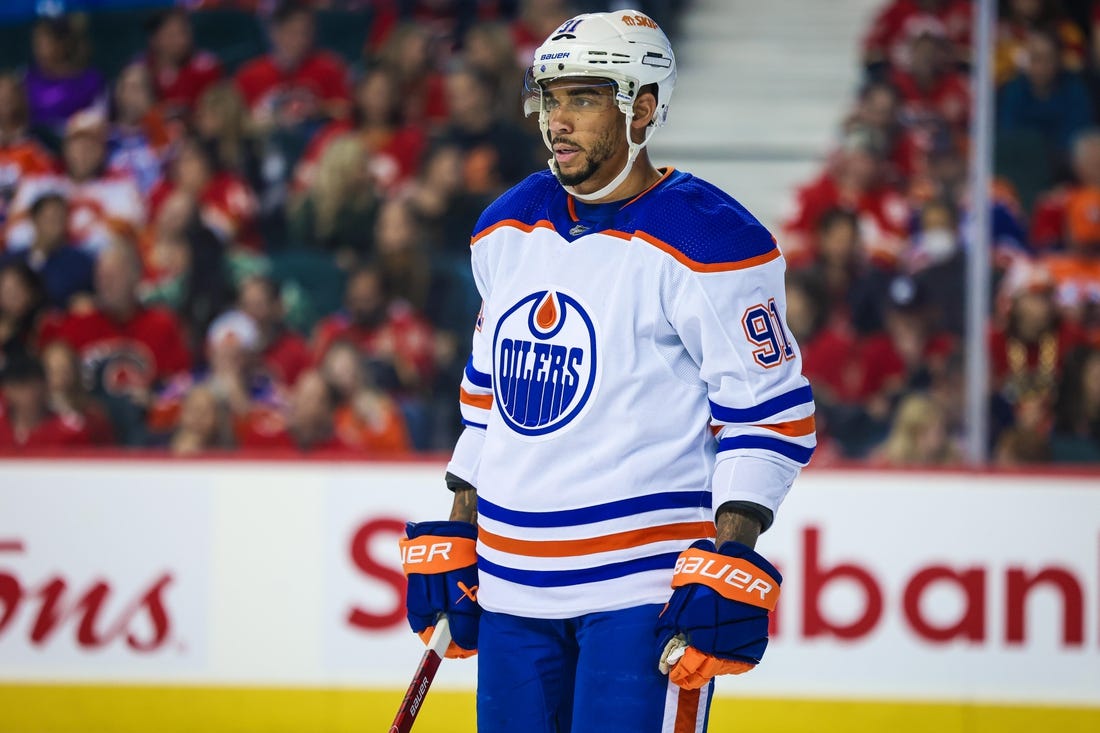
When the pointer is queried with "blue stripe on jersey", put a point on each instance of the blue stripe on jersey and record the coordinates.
(765, 409)
(478, 379)
(796, 453)
(597, 513)
(559, 578)
(474, 424)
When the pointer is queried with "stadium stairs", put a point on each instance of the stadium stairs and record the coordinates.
(761, 91)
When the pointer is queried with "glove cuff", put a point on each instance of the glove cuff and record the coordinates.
(432, 554)
(735, 578)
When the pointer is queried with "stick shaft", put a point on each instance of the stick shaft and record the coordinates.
(413, 702)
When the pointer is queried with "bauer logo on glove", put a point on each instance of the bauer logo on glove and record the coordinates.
(717, 619)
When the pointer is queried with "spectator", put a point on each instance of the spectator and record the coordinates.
(393, 148)
(929, 87)
(1076, 271)
(221, 122)
(887, 42)
(854, 286)
(937, 260)
(185, 266)
(918, 436)
(878, 109)
(912, 348)
(68, 396)
(1021, 17)
(401, 259)
(285, 354)
(366, 418)
(1076, 434)
(204, 424)
(179, 72)
(445, 21)
(408, 54)
(21, 156)
(25, 417)
(1048, 223)
(127, 350)
(59, 82)
(498, 152)
(490, 50)
(1029, 347)
(445, 208)
(337, 212)
(853, 181)
(64, 270)
(1027, 439)
(296, 83)
(397, 342)
(21, 299)
(1045, 98)
(101, 205)
(227, 206)
(826, 345)
(234, 370)
(309, 424)
(138, 136)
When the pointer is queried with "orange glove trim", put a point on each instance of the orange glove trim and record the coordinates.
(430, 554)
(730, 577)
(696, 669)
(454, 651)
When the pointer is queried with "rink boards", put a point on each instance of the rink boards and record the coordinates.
(246, 595)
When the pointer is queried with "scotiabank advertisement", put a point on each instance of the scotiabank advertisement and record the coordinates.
(948, 586)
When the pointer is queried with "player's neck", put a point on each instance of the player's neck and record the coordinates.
(641, 177)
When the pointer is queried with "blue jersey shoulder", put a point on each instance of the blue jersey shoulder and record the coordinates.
(526, 202)
(702, 222)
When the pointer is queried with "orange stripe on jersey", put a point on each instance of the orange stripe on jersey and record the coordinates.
(515, 224)
(431, 554)
(687, 711)
(730, 577)
(484, 401)
(691, 264)
(794, 428)
(604, 543)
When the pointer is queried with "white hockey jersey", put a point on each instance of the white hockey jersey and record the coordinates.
(631, 371)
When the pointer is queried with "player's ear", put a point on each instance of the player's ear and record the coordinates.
(645, 107)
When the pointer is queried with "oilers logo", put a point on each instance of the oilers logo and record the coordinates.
(547, 369)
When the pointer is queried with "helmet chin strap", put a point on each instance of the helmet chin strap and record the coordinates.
(632, 155)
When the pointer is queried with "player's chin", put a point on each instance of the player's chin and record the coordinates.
(573, 174)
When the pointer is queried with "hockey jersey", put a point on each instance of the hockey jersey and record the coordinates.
(631, 371)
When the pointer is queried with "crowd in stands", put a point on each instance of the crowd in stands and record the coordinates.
(225, 246)
(249, 228)
(877, 243)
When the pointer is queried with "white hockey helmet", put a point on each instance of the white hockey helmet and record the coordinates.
(626, 48)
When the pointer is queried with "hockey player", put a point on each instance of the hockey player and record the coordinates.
(634, 415)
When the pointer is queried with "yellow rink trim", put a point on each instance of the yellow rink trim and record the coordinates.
(133, 709)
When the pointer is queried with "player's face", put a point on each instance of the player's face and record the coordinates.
(586, 131)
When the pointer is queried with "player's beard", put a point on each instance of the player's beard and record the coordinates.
(600, 152)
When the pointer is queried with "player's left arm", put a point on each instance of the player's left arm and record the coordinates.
(732, 322)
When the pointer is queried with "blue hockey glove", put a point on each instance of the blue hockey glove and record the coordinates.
(440, 562)
(717, 619)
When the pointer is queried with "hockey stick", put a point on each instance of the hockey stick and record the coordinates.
(422, 680)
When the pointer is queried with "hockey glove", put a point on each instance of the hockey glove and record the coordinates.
(440, 562)
(717, 619)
